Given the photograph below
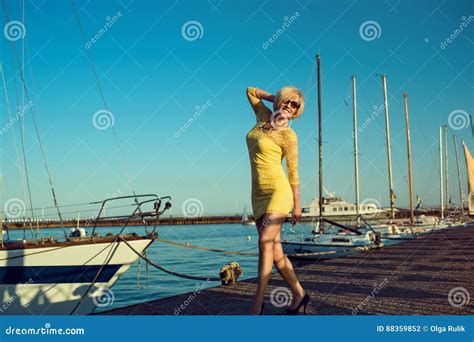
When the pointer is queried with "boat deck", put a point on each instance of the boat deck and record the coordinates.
(411, 278)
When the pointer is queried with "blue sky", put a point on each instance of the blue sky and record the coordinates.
(154, 79)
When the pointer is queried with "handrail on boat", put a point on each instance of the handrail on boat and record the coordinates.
(137, 212)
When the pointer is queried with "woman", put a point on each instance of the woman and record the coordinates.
(273, 194)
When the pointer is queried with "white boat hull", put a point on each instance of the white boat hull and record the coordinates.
(63, 279)
(328, 245)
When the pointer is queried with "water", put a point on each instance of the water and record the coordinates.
(189, 261)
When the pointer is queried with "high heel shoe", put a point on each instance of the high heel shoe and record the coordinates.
(304, 302)
(261, 310)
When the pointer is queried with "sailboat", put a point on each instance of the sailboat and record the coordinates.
(458, 171)
(47, 276)
(403, 232)
(70, 276)
(330, 237)
(245, 218)
(470, 178)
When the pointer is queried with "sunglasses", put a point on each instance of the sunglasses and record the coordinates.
(293, 104)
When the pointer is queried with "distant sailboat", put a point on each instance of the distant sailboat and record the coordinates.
(470, 179)
(245, 218)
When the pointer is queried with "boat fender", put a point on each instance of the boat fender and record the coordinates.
(78, 232)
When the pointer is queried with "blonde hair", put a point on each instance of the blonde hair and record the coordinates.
(287, 93)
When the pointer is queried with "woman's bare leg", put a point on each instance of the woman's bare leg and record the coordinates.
(268, 228)
(285, 268)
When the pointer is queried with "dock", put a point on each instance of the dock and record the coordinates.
(26, 223)
(431, 275)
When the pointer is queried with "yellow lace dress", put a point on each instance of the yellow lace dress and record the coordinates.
(271, 190)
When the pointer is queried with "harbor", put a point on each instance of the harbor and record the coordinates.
(212, 158)
(176, 221)
(410, 278)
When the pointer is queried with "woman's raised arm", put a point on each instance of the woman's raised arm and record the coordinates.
(255, 97)
(264, 95)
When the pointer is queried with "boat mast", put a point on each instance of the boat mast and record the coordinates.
(461, 200)
(410, 172)
(446, 169)
(389, 157)
(356, 154)
(441, 172)
(320, 140)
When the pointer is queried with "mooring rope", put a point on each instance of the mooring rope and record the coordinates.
(161, 268)
(107, 259)
(186, 245)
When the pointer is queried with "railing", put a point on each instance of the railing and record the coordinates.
(137, 212)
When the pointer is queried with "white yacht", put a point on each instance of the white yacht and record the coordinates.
(336, 206)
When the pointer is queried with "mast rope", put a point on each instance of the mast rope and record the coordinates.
(104, 102)
(38, 136)
(23, 174)
(20, 171)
